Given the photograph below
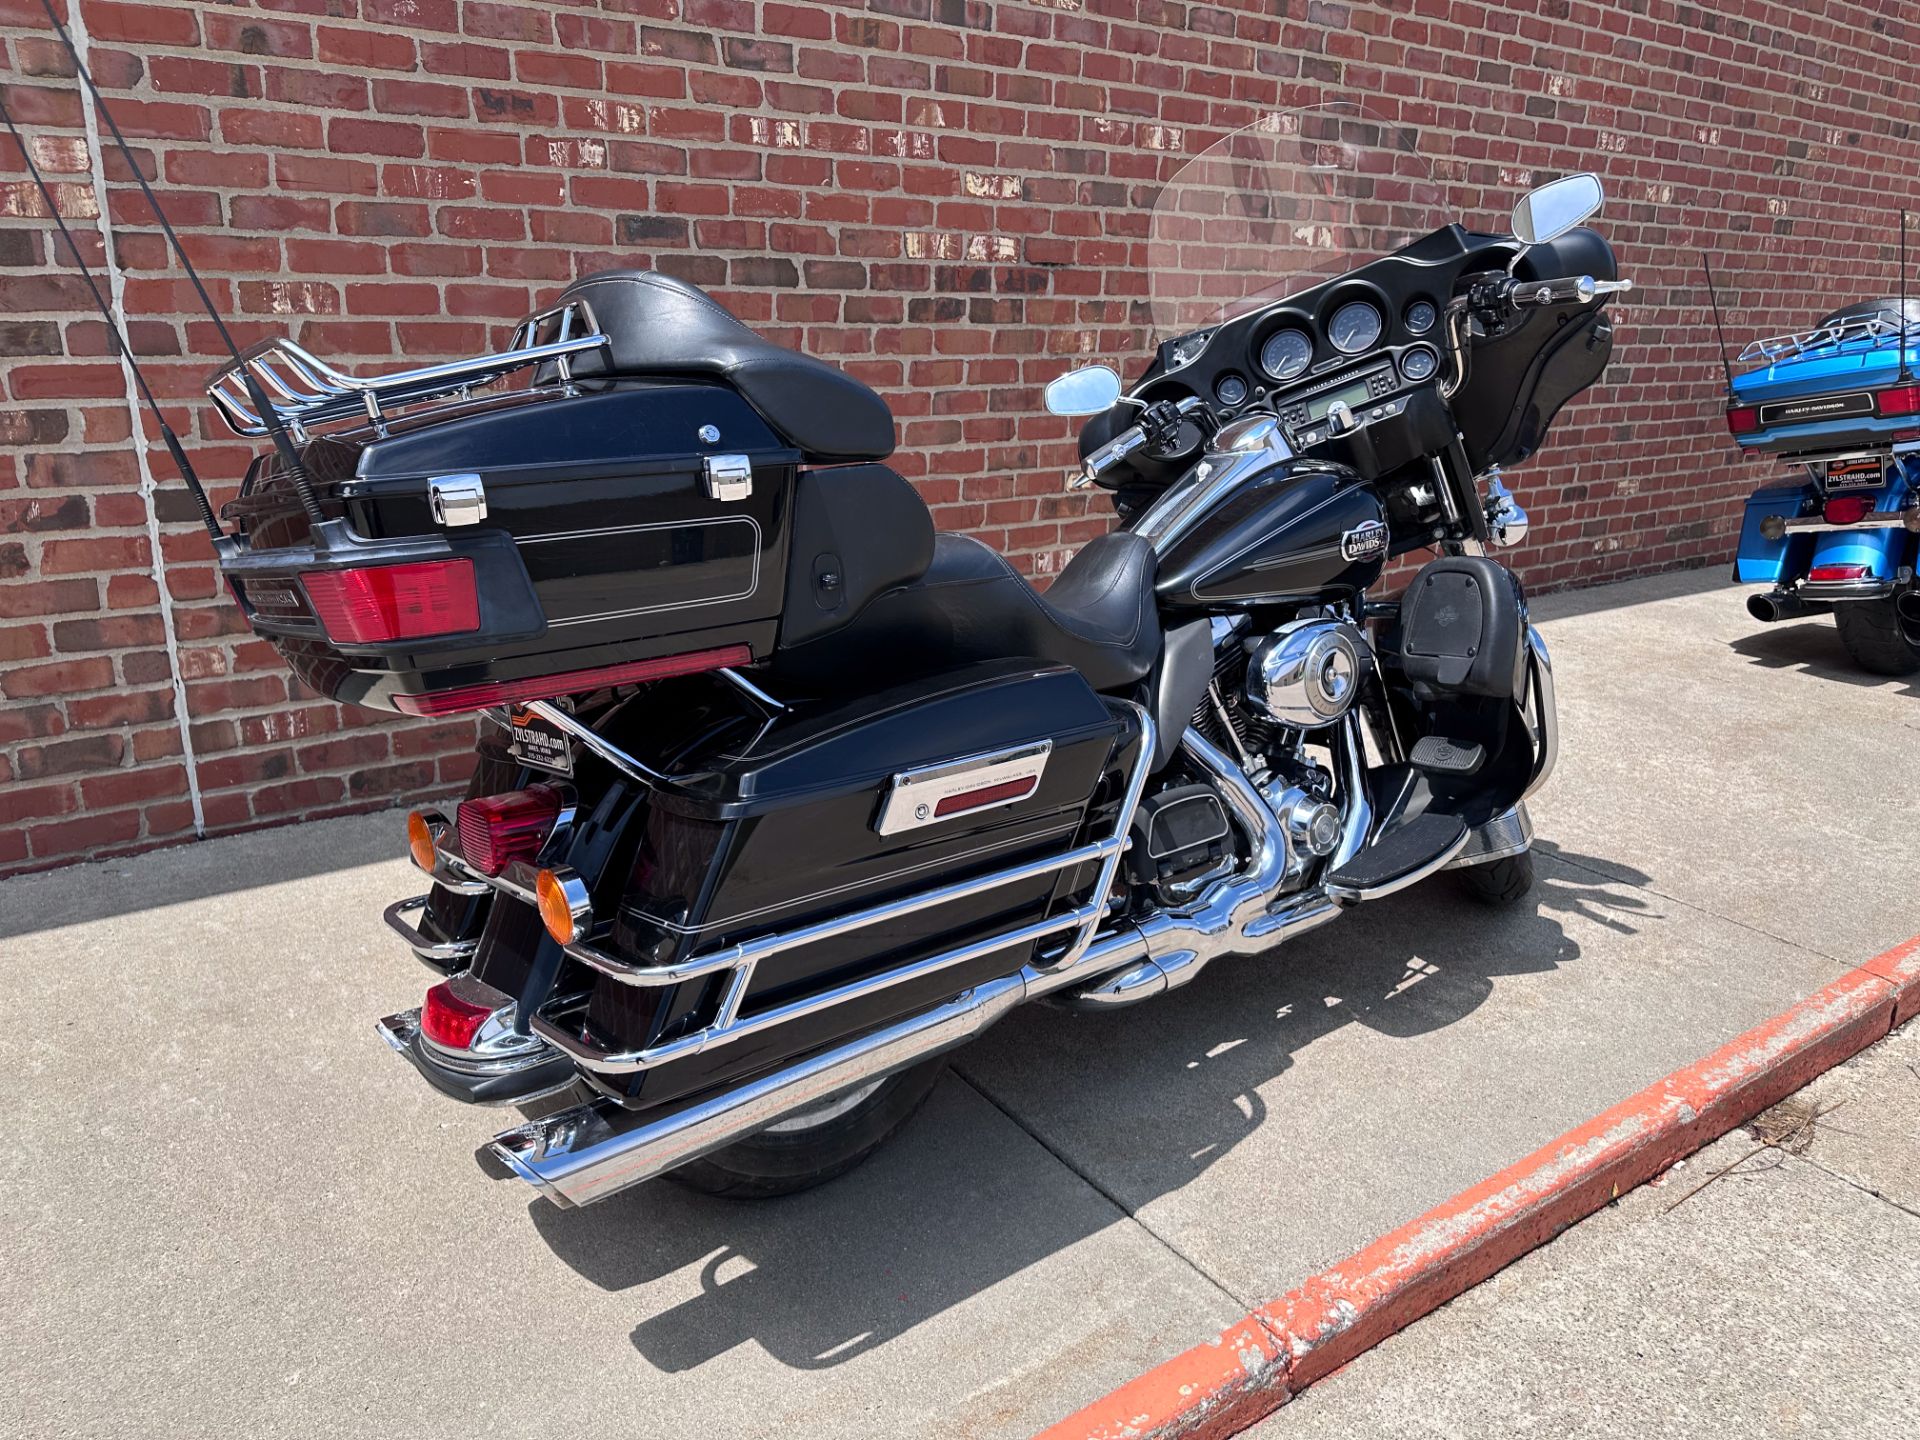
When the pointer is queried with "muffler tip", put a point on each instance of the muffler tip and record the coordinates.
(1762, 608)
(1907, 607)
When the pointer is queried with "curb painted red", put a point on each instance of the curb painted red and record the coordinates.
(1256, 1366)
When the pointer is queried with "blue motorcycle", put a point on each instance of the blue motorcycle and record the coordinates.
(1840, 403)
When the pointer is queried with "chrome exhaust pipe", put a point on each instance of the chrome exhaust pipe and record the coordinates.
(1777, 605)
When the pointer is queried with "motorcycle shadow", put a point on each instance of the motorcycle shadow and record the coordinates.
(1812, 647)
(962, 1200)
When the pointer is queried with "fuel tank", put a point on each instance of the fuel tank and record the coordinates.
(1292, 531)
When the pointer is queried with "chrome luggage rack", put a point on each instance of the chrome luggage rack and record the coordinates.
(1876, 327)
(304, 391)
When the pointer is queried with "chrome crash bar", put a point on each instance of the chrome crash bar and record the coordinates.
(305, 391)
(739, 960)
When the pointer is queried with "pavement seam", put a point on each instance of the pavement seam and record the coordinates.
(1101, 1190)
(1696, 907)
(1859, 1185)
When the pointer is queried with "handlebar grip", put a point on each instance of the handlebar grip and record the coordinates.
(1574, 290)
(1113, 452)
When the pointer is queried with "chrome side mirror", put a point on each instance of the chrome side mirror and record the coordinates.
(1549, 212)
(1086, 391)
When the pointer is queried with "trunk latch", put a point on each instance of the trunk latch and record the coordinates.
(457, 499)
(729, 477)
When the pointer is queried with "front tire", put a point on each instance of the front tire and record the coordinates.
(1871, 632)
(816, 1144)
(1499, 882)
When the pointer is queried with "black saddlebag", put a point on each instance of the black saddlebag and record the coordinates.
(835, 809)
(644, 522)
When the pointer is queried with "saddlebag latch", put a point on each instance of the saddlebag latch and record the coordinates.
(729, 477)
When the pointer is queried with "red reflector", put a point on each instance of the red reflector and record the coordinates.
(448, 1020)
(1839, 572)
(1743, 419)
(1901, 400)
(545, 687)
(395, 602)
(987, 795)
(1846, 509)
(500, 829)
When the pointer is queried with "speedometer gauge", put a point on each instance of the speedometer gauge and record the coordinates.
(1287, 354)
(1355, 327)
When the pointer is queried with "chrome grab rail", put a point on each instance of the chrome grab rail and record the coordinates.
(305, 391)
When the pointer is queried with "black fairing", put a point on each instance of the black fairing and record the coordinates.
(1299, 531)
(1518, 381)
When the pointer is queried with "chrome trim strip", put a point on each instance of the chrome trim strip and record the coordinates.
(914, 797)
(1872, 520)
(1870, 589)
(1546, 715)
(1500, 837)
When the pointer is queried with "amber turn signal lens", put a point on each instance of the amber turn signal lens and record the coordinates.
(420, 842)
(564, 910)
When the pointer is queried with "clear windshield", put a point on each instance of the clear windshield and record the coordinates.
(1295, 198)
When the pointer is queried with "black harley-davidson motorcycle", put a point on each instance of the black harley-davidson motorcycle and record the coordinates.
(781, 795)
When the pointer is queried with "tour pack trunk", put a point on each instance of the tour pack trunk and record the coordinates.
(496, 550)
(725, 880)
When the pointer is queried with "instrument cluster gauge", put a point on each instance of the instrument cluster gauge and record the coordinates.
(1230, 390)
(1422, 317)
(1418, 364)
(1356, 327)
(1287, 355)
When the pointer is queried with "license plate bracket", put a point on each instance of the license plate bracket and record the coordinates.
(539, 743)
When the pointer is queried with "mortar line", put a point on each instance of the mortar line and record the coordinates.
(1249, 1306)
(116, 295)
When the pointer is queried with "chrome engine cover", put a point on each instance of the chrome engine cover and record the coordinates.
(1306, 674)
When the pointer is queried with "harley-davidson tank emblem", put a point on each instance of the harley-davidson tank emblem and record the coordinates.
(1366, 541)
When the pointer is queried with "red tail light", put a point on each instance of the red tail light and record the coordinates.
(395, 602)
(1839, 572)
(1901, 400)
(517, 692)
(500, 829)
(1846, 509)
(449, 1021)
(1743, 419)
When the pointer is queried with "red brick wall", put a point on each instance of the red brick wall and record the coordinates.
(948, 197)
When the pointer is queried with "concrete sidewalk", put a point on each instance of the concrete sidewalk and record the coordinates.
(1767, 1287)
(233, 1209)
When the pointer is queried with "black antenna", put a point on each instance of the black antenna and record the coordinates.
(172, 441)
(282, 441)
(1903, 297)
(1719, 329)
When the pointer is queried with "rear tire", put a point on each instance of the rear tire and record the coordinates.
(1499, 882)
(1871, 632)
(805, 1150)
